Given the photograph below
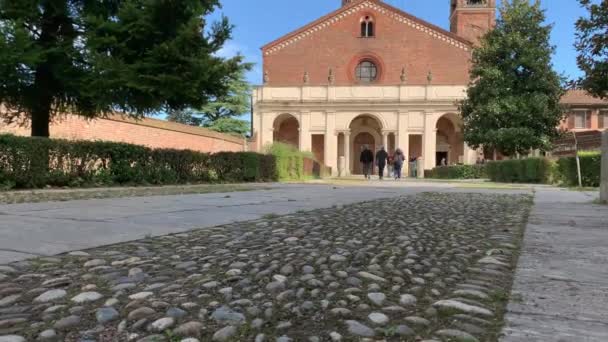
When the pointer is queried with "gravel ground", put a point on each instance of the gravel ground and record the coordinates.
(432, 267)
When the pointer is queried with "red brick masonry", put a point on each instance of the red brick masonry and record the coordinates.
(148, 132)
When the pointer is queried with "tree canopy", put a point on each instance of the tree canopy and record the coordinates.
(220, 112)
(592, 46)
(513, 102)
(92, 57)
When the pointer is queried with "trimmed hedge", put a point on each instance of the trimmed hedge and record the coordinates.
(529, 170)
(542, 170)
(293, 164)
(591, 168)
(38, 162)
(457, 172)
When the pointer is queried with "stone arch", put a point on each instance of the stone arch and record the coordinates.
(286, 129)
(365, 129)
(450, 141)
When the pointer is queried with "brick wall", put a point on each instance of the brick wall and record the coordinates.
(148, 132)
(395, 45)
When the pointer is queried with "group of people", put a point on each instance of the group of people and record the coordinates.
(382, 160)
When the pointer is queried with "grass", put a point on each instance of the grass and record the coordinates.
(60, 195)
(270, 216)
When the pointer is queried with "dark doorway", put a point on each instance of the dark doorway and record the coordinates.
(361, 140)
(441, 156)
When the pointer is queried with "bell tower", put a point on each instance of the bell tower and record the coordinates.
(471, 19)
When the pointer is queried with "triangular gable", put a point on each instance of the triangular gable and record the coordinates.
(353, 8)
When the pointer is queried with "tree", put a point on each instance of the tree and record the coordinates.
(235, 102)
(592, 46)
(91, 58)
(513, 102)
(229, 125)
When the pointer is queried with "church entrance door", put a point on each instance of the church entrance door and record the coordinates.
(361, 140)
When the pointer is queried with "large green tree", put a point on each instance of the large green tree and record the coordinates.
(92, 57)
(513, 102)
(235, 102)
(229, 125)
(592, 46)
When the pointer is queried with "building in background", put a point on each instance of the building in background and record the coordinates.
(371, 74)
(584, 112)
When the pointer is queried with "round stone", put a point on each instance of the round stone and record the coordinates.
(407, 300)
(358, 329)
(87, 297)
(50, 296)
(377, 298)
(141, 295)
(162, 324)
(224, 334)
(67, 322)
(105, 315)
(190, 329)
(48, 335)
(378, 318)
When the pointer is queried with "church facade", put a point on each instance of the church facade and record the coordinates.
(371, 74)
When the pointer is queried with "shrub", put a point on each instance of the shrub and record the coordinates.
(37, 162)
(457, 172)
(289, 161)
(529, 170)
(591, 165)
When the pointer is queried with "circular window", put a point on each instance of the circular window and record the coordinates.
(366, 71)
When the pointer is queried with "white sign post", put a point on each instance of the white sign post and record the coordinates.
(604, 176)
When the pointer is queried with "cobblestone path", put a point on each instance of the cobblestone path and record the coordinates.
(432, 267)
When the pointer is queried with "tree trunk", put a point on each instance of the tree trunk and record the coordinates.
(41, 116)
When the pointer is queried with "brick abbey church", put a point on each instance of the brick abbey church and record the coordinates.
(370, 74)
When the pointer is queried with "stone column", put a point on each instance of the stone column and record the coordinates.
(347, 153)
(266, 129)
(331, 142)
(604, 176)
(470, 155)
(402, 140)
(429, 141)
(385, 140)
(305, 137)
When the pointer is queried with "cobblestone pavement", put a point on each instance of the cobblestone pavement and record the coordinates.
(432, 267)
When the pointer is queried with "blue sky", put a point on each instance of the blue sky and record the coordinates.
(261, 21)
(258, 22)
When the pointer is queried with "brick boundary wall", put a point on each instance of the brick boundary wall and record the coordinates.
(148, 132)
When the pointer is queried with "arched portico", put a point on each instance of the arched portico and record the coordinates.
(364, 130)
(449, 141)
(286, 128)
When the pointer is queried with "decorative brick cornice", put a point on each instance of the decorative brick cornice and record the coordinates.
(382, 8)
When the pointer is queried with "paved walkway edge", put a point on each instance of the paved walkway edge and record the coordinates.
(560, 292)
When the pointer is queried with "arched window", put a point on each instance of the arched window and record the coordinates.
(367, 27)
(366, 72)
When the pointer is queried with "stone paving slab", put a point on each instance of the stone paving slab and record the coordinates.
(57, 227)
(432, 267)
(561, 284)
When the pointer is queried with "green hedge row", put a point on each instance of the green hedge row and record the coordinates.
(591, 168)
(457, 172)
(529, 170)
(545, 171)
(37, 162)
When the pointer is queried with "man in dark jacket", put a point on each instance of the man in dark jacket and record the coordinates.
(381, 158)
(367, 160)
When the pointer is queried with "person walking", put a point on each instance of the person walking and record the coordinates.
(381, 158)
(367, 160)
(398, 160)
